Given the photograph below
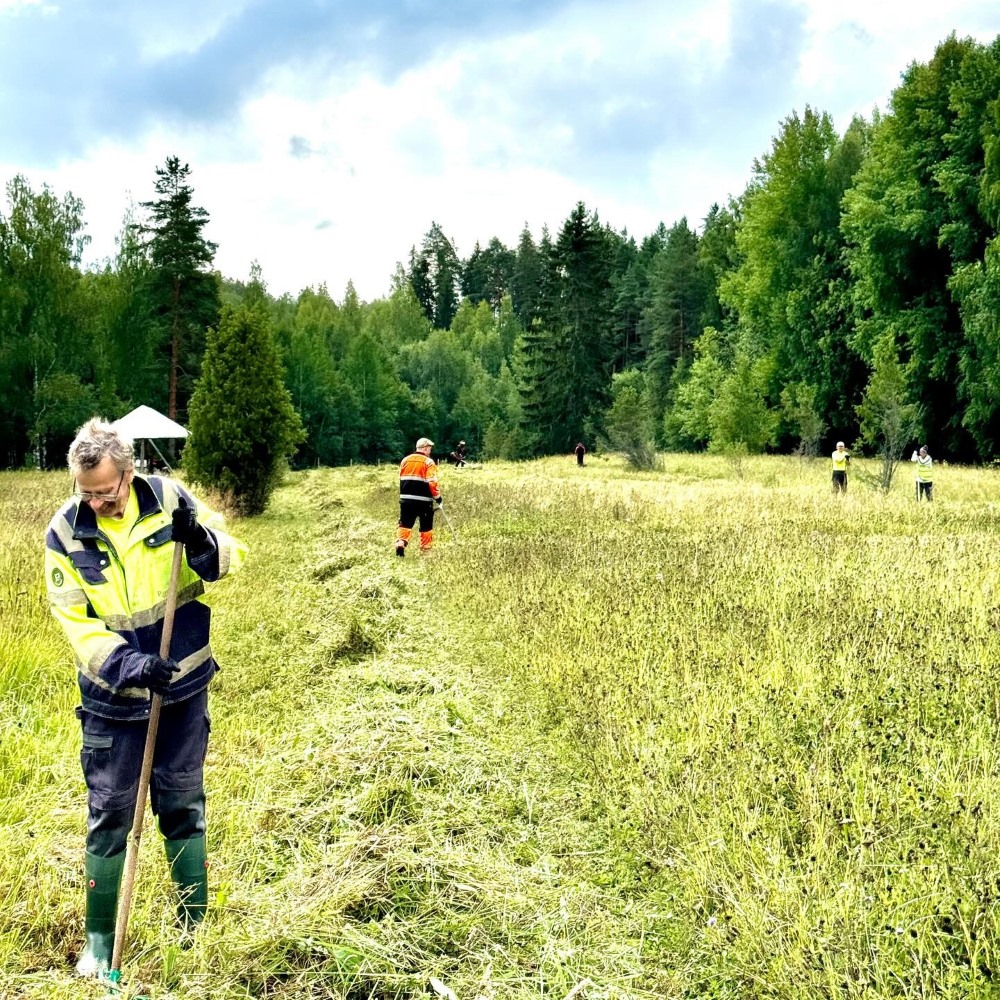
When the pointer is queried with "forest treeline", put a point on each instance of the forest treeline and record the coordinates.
(851, 291)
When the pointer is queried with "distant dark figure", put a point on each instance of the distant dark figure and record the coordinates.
(580, 452)
(457, 457)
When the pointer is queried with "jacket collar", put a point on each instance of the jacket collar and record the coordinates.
(85, 521)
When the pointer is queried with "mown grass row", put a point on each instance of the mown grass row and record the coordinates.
(379, 818)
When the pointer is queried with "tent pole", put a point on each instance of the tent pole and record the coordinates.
(166, 464)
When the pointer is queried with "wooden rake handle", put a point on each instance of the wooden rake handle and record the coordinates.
(132, 851)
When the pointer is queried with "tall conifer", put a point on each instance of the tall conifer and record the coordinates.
(185, 293)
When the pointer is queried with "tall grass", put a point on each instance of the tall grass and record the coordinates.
(679, 734)
(789, 701)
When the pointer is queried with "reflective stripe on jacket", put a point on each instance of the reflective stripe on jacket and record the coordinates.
(418, 478)
(111, 604)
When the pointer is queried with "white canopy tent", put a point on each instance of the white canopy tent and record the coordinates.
(146, 424)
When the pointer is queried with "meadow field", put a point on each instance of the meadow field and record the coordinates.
(710, 732)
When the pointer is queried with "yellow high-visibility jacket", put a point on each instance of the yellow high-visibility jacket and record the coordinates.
(925, 469)
(111, 604)
(840, 460)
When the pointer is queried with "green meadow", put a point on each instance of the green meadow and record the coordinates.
(710, 732)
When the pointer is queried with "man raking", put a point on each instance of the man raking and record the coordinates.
(108, 557)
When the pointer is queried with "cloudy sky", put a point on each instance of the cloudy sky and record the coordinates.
(325, 136)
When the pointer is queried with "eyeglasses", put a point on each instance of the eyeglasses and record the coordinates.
(100, 497)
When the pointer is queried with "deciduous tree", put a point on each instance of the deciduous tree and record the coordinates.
(911, 220)
(631, 421)
(44, 349)
(888, 418)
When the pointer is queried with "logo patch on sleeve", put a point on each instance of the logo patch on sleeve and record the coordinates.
(57, 577)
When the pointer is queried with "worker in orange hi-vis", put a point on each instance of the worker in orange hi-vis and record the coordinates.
(419, 495)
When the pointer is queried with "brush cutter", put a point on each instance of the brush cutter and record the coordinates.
(447, 520)
(132, 851)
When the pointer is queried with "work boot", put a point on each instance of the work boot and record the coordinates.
(189, 870)
(104, 879)
(401, 549)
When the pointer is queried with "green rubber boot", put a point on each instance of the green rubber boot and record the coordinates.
(104, 879)
(189, 870)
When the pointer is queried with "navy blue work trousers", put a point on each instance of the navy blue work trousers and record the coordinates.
(112, 760)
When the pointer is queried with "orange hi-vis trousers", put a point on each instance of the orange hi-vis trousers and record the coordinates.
(410, 511)
(403, 535)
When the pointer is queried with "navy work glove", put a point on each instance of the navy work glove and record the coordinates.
(157, 673)
(439, 501)
(189, 532)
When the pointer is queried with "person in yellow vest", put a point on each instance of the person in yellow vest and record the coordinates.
(108, 558)
(925, 473)
(419, 495)
(841, 460)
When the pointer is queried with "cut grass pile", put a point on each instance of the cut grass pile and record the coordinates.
(379, 817)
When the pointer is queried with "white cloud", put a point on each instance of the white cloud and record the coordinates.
(14, 6)
(164, 33)
(645, 111)
(858, 49)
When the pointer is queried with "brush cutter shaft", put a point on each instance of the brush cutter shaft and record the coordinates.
(447, 520)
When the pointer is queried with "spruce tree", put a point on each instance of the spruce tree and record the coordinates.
(242, 423)
(582, 273)
(435, 273)
(526, 279)
(184, 291)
